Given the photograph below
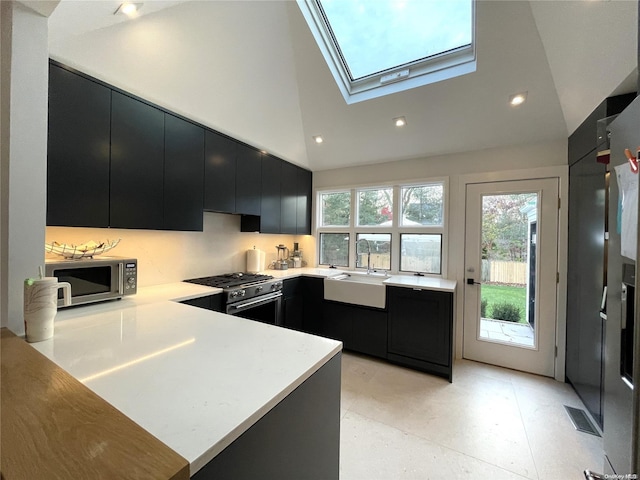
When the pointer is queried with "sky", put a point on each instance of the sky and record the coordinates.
(375, 35)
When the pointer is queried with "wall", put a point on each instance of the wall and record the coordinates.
(165, 257)
(24, 191)
(527, 161)
(252, 94)
(6, 18)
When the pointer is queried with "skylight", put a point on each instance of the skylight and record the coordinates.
(377, 47)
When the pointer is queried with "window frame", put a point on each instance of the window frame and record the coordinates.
(436, 68)
(395, 229)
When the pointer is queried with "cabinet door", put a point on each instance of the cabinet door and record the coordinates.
(183, 172)
(137, 164)
(270, 204)
(303, 204)
(77, 151)
(292, 303)
(313, 304)
(337, 323)
(288, 198)
(369, 331)
(420, 324)
(248, 180)
(220, 173)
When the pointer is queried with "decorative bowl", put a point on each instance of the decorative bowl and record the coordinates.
(85, 250)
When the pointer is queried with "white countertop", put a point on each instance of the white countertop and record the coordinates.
(194, 378)
(409, 281)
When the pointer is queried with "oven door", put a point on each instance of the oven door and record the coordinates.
(265, 308)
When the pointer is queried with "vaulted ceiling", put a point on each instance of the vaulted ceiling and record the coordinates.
(251, 69)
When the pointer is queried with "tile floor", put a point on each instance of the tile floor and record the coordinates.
(509, 332)
(490, 423)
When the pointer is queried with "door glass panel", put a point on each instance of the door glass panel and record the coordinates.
(508, 249)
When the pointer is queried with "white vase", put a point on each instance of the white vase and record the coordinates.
(41, 306)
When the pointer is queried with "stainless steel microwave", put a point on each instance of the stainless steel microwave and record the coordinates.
(95, 279)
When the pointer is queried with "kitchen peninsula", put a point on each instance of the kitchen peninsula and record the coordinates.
(235, 398)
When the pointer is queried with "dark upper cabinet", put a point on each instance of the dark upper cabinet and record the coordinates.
(220, 173)
(183, 174)
(285, 200)
(270, 213)
(77, 150)
(303, 205)
(288, 198)
(117, 161)
(137, 164)
(585, 138)
(248, 180)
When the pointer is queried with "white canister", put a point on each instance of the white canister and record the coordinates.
(255, 261)
(41, 306)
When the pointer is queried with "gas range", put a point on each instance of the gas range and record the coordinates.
(240, 286)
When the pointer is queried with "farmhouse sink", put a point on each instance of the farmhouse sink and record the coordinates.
(356, 288)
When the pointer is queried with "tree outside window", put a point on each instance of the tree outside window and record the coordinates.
(375, 207)
(336, 209)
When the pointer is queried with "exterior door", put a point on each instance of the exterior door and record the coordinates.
(511, 262)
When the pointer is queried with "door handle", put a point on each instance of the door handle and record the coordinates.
(471, 281)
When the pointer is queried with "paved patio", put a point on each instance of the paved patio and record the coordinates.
(507, 332)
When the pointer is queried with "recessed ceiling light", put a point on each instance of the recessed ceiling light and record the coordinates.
(318, 139)
(517, 99)
(129, 9)
(399, 121)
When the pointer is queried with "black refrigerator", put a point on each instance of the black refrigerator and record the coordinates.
(622, 336)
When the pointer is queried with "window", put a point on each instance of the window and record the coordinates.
(375, 207)
(373, 250)
(421, 252)
(378, 47)
(335, 208)
(359, 228)
(422, 205)
(334, 249)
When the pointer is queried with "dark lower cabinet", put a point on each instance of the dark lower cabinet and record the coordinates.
(360, 329)
(77, 150)
(421, 329)
(299, 438)
(211, 302)
(312, 304)
(293, 303)
(183, 170)
(137, 164)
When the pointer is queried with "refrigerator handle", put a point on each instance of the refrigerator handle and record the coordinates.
(623, 307)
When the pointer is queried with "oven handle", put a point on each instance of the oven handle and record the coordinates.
(263, 299)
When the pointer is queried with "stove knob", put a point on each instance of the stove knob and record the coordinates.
(259, 289)
(241, 293)
(233, 294)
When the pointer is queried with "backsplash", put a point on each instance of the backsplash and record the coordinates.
(169, 256)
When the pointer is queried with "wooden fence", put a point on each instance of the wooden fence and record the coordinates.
(504, 272)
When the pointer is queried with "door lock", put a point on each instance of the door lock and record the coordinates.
(471, 281)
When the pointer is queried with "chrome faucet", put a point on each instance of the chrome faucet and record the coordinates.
(368, 253)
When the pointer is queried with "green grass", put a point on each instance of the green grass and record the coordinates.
(503, 293)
